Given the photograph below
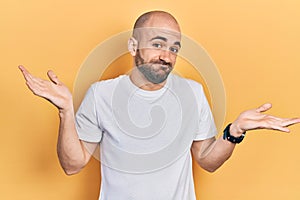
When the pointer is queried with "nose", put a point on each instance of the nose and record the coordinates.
(165, 55)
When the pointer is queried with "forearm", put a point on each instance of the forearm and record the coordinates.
(71, 152)
(220, 151)
(213, 154)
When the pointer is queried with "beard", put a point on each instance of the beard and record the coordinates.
(151, 73)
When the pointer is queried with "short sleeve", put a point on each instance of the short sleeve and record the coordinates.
(206, 127)
(87, 123)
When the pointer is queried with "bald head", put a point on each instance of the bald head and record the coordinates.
(146, 19)
(158, 19)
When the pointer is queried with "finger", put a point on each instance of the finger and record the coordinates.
(280, 128)
(282, 125)
(275, 125)
(290, 122)
(30, 79)
(53, 77)
(26, 74)
(34, 84)
(264, 107)
(277, 118)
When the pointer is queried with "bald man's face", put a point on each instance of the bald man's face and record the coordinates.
(157, 52)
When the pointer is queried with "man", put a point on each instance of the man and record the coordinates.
(127, 171)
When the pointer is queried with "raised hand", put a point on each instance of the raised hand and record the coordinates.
(256, 119)
(54, 90)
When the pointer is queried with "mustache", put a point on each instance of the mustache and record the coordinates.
(161, 62)
(140, 61)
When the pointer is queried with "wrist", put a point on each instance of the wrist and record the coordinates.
(235, 130)
(69, 110)
(232, 138)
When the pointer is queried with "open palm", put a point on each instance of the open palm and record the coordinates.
(54, 90)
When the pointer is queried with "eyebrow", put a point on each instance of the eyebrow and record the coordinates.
(165, 40)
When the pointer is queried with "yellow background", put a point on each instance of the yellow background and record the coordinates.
(255, 45)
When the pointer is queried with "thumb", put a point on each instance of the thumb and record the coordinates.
(53, 77)
(264, 107)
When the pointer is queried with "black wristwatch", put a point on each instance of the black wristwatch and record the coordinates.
(230, 138)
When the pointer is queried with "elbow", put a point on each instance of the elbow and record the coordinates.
(72, 168)
(208, 167)
(70, 172)
(211, 169)
(214, 164)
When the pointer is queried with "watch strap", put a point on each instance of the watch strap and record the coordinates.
(230, 138)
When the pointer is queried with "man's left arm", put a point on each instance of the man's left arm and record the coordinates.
(211, 153)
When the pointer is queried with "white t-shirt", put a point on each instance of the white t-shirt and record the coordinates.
(145, 136)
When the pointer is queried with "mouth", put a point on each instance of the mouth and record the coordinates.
(165, 67)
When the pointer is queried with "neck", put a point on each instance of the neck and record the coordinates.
(140, 81)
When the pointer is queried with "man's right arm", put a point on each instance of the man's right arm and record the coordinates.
(72, 153)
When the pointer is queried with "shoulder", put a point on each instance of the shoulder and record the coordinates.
(196, 86)
(108, 84)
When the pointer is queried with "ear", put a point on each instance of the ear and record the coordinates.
(132, 45)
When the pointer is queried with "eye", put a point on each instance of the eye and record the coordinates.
(157, 45)
(174, 49)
